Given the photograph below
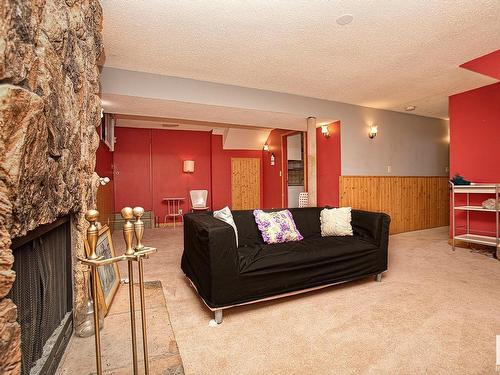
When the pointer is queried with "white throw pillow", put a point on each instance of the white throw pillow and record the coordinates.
(226, 216)
(336, 222)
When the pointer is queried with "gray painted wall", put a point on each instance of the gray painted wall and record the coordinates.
(412, 145)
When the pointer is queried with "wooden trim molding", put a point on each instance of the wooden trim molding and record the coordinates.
(413, 202)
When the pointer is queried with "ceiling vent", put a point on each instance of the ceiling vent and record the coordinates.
(345, 19)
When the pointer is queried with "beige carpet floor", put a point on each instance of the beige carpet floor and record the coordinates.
(436, 312)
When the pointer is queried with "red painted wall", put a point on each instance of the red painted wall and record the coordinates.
(328, 166)
(272, 179)
(221, 172)
(474, 141)
(169, 149)
(104, 161)
(132, 165)
(148, 163)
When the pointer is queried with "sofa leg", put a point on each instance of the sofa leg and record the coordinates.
(218, 316)
(378, 277)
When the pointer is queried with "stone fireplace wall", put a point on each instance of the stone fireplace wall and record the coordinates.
(49, 111)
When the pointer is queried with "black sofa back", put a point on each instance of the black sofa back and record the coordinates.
(307, 222)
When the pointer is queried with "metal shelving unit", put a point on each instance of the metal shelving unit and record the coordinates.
(481, 239)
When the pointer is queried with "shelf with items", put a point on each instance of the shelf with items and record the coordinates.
(472, 236)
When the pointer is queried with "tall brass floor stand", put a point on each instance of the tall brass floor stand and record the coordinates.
(131, 255)
(96, 321)
(132, 313)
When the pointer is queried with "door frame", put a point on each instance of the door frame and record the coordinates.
(284, 164)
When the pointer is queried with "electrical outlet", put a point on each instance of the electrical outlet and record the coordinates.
(447, 169)
(389, 169)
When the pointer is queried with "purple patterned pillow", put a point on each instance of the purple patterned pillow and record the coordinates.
(277, 227)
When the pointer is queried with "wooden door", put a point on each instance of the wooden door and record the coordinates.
(245, 183)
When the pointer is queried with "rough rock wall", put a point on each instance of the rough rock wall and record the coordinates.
(49, 109)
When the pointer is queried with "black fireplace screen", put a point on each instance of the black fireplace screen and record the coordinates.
(43, 287)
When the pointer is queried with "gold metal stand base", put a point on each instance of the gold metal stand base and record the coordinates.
(131, 255)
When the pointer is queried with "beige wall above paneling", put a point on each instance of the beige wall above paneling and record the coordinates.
(413, 203)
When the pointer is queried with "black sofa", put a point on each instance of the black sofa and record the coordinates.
(225, 276)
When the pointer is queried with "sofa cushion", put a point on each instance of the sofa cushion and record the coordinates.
(226, 216)
(277, 227)
(310, 252)
(336, 222)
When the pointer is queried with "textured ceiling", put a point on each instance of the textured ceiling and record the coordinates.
(395, 52)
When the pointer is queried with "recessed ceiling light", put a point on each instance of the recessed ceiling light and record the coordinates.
(345, 19)
(410, 108)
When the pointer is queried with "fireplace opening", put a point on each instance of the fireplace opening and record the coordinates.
(43, 294)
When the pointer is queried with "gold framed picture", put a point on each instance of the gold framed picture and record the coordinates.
(108, 275)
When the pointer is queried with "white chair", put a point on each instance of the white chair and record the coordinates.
(198, 200)
(303, 199)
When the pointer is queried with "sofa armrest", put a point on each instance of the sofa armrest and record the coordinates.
(371, 226)
(210, 256)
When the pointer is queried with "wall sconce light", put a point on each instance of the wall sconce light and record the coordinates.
(188, 166)
(266, 147)
(325, 131)
(373, 131)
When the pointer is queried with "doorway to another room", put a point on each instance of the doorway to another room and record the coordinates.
(294, 168)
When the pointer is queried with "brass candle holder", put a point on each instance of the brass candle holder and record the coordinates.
(131, 254)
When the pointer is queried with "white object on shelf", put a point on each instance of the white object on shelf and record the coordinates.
(475, 188)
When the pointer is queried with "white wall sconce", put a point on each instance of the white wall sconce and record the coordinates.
(325, 131)
(373, 131)
(266, 147)
(188, 166)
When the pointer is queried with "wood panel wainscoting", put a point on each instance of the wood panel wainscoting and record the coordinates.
(106, 203)
(413, 202)
(245, 183)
